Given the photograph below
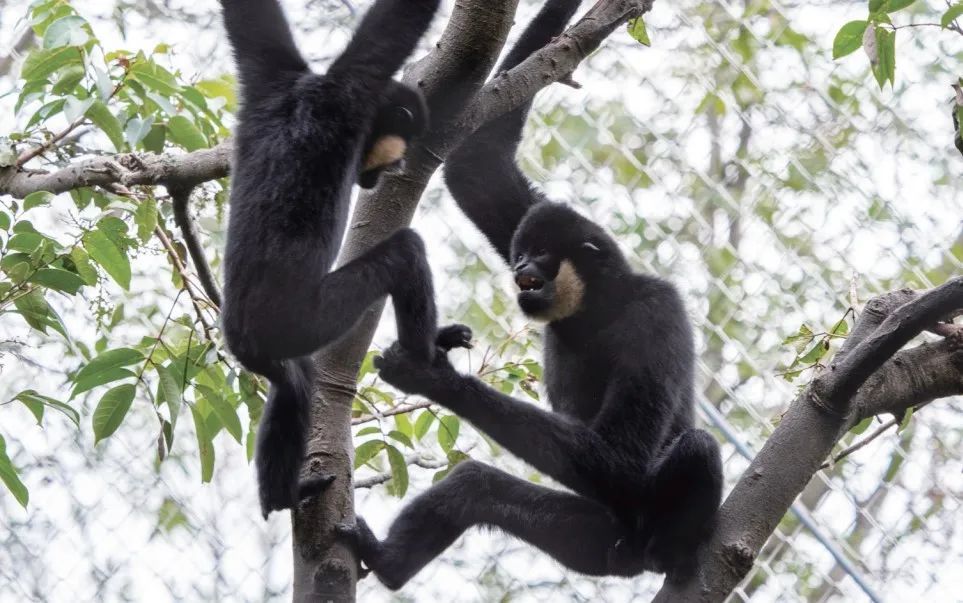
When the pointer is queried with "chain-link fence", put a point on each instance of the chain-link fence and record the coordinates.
(770, 183)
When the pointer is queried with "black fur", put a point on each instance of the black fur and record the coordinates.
(299, 147)
(619, 375)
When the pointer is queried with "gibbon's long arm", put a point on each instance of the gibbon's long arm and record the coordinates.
(482, 173)
(591, 460)
(263, 47)
(383, 40)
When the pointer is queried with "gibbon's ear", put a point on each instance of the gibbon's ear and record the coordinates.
(590, 246)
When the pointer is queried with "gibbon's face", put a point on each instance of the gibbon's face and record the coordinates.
(549, 288)
(550, 246)
(402, 116)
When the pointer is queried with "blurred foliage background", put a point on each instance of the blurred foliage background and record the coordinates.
(777, 187)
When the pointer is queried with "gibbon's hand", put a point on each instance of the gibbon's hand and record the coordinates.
(412, 375)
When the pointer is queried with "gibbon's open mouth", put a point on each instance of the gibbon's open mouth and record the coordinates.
(527, 282)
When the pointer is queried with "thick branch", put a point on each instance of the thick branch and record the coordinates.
(809, 429)
(128, 169)
(836, 387)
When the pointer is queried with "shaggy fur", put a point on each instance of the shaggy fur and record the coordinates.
(619, 375)
(300, 145)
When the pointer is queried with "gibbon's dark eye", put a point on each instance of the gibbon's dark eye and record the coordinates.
(403, 117)
(518, 258)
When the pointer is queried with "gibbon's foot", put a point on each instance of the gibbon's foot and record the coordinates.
(454, 336)
(314, 486)
(359, 537)
(408, 372)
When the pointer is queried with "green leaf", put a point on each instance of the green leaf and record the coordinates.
(30, 396)
(224, 411)
(875, 5)
(905, 421)
(100, 116)
(848, 39)
(109, 359)
(403, 423)
(35, 407)
(109, 256)
(885, 68)
(111, 410)
(367, 451)
(891, 6)
(27, 242)
(399, 471)
(815, 353)
(841, 328)
(155, 77)
(75, 108)
(37, 199)
(4, 221)
(10, 477)
(34, 309)
(83, 266)
(58, 280)
(67, 31)
(106, 367)
(952, 13)
(423, 423)
(146, 218)
(448, 432)
(638, 31)
(109, 376)
(205, 448)
(41, 62)
(68, 79)
(46, 112)
(137, 129)
(861, 426)
(186, 134)
(169, 391)
(397, 435)
(223, 88)
(154, 141)
(366, 431)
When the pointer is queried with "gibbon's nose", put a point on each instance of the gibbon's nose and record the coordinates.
(527, 282)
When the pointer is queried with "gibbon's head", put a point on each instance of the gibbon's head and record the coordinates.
(556, 253)
(402, 116)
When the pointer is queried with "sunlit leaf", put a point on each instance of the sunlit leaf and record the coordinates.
(448, 432)
(10, 477)
(31, 397)
(367, 451)
(111, 410)
(185, 133)
(848, 39)
(205, 448)
(100, 116)
(399, 471)
(103, 251)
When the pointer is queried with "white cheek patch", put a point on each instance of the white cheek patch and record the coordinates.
(569, 291)
(386, 150)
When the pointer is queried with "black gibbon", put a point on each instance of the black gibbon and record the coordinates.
(619, 373)
(301, 142)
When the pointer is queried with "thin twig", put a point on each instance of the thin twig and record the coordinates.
(862, 443)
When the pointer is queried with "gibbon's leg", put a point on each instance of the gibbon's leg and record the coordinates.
(398, 267)
(684, 494)
(577, 532)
